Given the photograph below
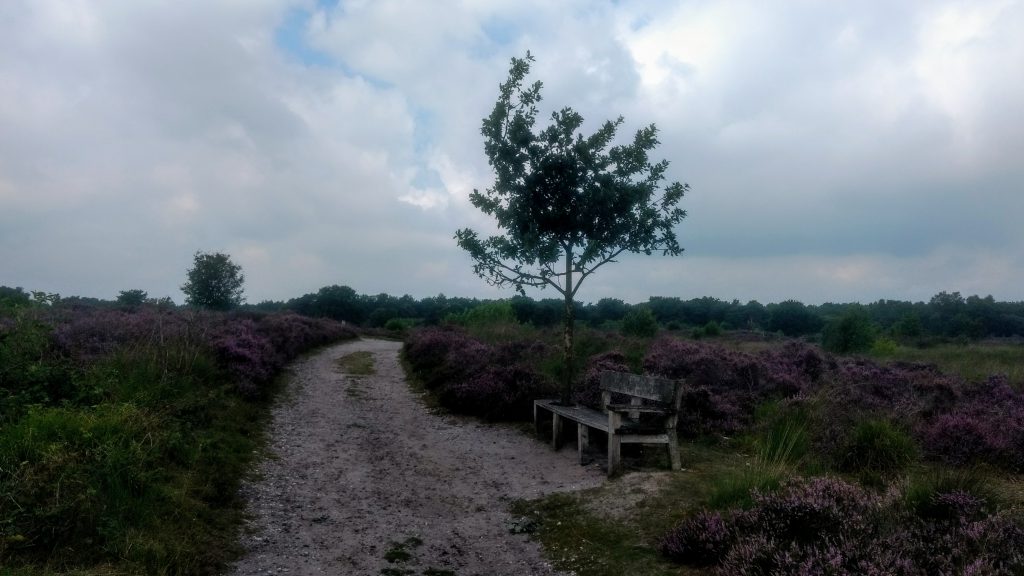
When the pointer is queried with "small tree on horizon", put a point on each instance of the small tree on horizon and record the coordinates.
(566, 204)
(214, 282)
(133, 297)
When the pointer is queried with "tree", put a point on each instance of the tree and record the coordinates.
(566, 204)
(792, 318)
(214, 281)
(134, 297)
(851, 332)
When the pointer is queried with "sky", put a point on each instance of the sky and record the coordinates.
(835, 151)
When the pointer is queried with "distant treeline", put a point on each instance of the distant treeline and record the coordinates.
(947, 315)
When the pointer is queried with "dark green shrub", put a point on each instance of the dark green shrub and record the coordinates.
(712, 328)
(877, 446)
(640, 322)
(396, 325)
(852, 332)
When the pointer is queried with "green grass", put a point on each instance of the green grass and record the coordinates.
(139, 476)
(357, 364)
(972, 362)
(578, 538)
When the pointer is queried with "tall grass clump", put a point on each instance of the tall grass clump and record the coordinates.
(779, 451)
(876, 446)
(126, 432)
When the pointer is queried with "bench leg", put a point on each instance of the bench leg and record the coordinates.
(582, 440)
(556, 431)
(614, 443)
(673, 450)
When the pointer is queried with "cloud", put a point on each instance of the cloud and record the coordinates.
(834, 151)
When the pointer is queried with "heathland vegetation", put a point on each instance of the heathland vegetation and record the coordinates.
(894, 429)
(126, 429)
(801, 461)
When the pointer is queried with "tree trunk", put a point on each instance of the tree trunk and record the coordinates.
(569, 321)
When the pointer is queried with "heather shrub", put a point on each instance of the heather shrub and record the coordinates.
(444, 356)
(495, 382)
(828, 526)
(496, 393)
(724, 386)
(247, 355)
(809, 510)
(700, 540)
(588, 392)
(985, 425)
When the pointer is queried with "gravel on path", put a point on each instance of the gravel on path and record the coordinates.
(363, 479)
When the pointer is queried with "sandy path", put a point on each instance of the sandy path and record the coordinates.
(361, 465)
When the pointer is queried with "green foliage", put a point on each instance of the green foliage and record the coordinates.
(123, 443)
(792, 318)
(134, 297)
(566, 204)
(485, 315)
(397, 325)
(853, 332)
(779, 449)
(13, 298)
(640, 322)
(876, 446)
(884, 347)
(214, 282)
(712, 329)
(29, 374)
(909, 326)
(922, 488)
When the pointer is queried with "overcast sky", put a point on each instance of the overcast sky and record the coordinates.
(836, 151)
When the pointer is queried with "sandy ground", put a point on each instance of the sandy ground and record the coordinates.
(363, 473)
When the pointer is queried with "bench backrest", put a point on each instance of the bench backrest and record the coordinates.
(647, 387)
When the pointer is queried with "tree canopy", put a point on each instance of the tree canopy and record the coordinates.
(566, 204)
(214, 281)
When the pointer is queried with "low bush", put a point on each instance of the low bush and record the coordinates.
(701, 540)
(496, 382)
(828, 526)
(588, 393)
(640, 322)
(986, 424)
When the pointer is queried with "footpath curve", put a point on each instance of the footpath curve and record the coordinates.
(364, 480)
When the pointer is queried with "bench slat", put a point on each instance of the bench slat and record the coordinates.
(659, 389)
(639, 408)
(587, 416)
(644, 438)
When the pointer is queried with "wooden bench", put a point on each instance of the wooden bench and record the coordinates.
(657, 399)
